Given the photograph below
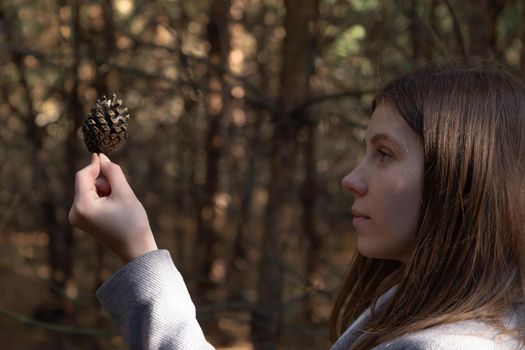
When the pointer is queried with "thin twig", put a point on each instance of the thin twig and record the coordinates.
(55, 327)
(457, 29)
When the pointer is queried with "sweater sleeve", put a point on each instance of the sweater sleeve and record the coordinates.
(150, 305)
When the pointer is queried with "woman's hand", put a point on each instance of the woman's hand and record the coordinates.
(107, 209)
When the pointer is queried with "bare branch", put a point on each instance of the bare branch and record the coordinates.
(255, 101)
(319, 99)
(55, 327)
(457, 29)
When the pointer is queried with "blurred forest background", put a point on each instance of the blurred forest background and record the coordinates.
(245, 116)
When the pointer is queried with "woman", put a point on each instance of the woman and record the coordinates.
(439, 214)
(439, 197)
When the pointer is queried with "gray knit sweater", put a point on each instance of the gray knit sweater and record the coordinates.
(150, 305)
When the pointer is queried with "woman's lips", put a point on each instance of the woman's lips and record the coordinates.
(359, 218)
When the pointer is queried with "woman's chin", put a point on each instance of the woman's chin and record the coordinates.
(371, 251)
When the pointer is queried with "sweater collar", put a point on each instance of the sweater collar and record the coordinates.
(355, 330)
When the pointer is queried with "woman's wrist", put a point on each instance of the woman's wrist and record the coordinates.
(147, 245)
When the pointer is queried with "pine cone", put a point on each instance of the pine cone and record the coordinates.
(106, 126)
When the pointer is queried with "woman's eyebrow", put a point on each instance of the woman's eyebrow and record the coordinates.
(385, 138)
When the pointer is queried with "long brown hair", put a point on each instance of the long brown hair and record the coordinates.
(466, 254)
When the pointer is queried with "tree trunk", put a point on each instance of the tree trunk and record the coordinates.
(308, 203)
(298, 48)
(102, 46)
(236, 274)
(483, 20)
(60, 237)
(420, 36)
(415, 32)
(207, 243)
(236, 278)
(522, 53)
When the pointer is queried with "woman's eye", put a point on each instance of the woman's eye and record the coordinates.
(383, 155)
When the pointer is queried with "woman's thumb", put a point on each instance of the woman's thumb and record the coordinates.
(113, 173)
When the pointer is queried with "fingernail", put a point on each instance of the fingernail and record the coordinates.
(104, 158)
(93, 157)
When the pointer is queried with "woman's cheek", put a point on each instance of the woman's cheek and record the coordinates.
(399, 217)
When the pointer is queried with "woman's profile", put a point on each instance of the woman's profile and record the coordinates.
(439, 214)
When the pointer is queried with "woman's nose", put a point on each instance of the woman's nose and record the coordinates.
(355, 183)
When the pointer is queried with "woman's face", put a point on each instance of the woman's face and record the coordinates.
(387, 185)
